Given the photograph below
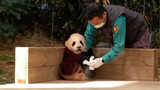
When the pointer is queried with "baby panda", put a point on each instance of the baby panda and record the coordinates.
(72, 66)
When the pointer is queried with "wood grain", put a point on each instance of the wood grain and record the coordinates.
(43, 74)
(125, 72)
(45, 56)
(129, 56)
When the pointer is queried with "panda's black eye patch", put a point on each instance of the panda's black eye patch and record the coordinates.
(81, 43)
(73, 43)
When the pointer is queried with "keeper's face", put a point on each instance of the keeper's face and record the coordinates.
(98, 21)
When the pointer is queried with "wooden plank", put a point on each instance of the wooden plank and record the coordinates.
(43, 74)
(129, 56)
(139, 73)
(43, 56)
(21, 62)
(156, 60)
(125, 72)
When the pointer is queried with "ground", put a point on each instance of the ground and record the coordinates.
(7, 67)
(85, 85)
(32, 38)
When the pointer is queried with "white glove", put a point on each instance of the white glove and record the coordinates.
(89, 62)
(96, 62)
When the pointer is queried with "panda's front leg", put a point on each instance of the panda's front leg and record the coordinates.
(90, 73)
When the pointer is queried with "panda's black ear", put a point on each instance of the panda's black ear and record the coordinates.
(67, 37)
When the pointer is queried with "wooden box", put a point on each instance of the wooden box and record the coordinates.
(41, 64)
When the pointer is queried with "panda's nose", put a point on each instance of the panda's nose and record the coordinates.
(79, 47)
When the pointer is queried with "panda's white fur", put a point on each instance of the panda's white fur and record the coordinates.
(76, 43)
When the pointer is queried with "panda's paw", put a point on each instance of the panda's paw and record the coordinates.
(86, 62)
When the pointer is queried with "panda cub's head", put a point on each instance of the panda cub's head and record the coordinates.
(76, 43)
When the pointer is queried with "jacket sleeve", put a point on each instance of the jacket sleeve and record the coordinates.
(119, 34)
(89, 35)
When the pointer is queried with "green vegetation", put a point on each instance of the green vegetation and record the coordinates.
(7, 67)
(3, 81)
(59, 18)
(11, 12)
(2, 72)
(6, 57)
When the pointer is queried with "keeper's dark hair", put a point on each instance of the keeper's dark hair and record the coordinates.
(92, 10)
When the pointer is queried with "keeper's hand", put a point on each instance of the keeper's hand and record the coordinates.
(96, 63)
(89, 62)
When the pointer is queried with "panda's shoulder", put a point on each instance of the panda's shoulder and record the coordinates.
(68, 53)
